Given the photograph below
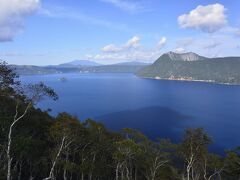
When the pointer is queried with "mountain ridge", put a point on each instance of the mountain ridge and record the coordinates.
(80, 63)
(189, 56)
(66, 68)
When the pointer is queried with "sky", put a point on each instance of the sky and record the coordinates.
(49, 32)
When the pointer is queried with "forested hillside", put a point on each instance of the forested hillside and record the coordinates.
(115, 68)
(35, 145)
(185, 66)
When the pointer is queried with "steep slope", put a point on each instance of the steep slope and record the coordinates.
(184, 56)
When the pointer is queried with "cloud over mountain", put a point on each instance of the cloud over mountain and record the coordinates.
(131, 50)
(208, 18)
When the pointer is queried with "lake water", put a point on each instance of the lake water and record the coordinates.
(158, 108)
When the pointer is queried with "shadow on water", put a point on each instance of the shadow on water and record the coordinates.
(155, 122)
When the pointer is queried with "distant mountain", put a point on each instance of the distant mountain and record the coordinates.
(193, 67)
(80, 63)
(28, 69)
(132, 63)
(77, 68)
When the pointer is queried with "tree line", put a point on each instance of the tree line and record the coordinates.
(37, 146)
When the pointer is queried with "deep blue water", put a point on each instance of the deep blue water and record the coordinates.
(158, 108)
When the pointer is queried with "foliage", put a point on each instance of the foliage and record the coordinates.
(62, 147)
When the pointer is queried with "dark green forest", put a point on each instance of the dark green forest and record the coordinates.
(37, 146)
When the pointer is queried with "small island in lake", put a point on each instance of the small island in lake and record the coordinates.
(62, 79)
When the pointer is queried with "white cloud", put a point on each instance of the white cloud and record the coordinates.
(162, 42)
(133, 42)
(130, 44)
(139, 55)
(111, 48)
(179, 50)
(12, 16)
(208, 18)
(125, 5)
(130, 51)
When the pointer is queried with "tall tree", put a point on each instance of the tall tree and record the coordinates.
(64, 133)
(232, 163)
(8, 80)
(32, 94)
(193, 150)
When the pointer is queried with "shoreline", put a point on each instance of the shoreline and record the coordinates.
(190, 80)
(153, 78)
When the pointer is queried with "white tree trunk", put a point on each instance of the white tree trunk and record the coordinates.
(15, 120)
(55, 160)
(117, 171)
(156, 165)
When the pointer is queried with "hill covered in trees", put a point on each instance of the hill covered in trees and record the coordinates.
(35, 145)
(130, 67)
(192, 67)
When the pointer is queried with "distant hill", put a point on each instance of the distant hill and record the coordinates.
(132, 63)
(115, 68)
(192, 67)
(80, 63)
(29, 70)
(69, 68)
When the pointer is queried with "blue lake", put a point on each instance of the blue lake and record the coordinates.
(158, 108)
